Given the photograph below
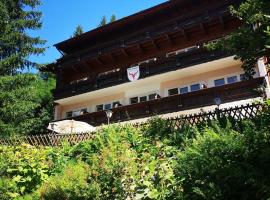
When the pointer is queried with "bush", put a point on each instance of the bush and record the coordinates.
(222, 159)
(22, 169)
(71, 184)
(226, 166)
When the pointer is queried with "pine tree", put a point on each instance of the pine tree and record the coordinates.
(103, 21)
(16, 45)
(113, 18)
(78, 31)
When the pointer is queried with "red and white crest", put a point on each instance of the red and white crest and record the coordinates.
(133, 73)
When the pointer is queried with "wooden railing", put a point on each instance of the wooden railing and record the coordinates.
(227, 93)
(237, 113)
(162, 65)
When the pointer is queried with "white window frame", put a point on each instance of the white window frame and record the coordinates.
(142, 95)
(110, 102)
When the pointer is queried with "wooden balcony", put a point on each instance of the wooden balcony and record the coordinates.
(162, 65)
(227, 93)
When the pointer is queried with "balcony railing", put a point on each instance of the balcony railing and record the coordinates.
(162, 65)
(205, 97)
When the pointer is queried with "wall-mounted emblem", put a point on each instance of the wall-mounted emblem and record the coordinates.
(133, 73)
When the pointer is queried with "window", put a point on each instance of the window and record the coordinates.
(152, 96)
(116, 104)
(133, 100)
(183, 90)
(99, 107)
(69, 114)
(108, 106)
(195, 87)
(243, 77)
(219, 82)
(173, 91)
(232, 79)
(143, 98)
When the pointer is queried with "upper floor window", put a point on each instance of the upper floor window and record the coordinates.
(243, 77)
(183, 90)
(195, 87)
(143, 98)
(232, 79)
(75, 113)
(69, 114)
(219, 82)
(99, 107)
(134, 100)
(172, 91)
(107, 106)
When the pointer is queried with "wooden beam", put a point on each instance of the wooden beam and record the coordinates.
(221, 20)
(99, 60)
(184, 33)
(154, 43)
(169, 39)
(203, 28)
(139, 46)
(112, 57)
(124, 51)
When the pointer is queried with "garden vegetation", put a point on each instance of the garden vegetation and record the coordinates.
(223, 159)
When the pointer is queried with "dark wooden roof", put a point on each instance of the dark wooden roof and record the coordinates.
(132, 23)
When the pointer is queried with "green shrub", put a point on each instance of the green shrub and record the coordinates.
(226, 166)
(71, 184)
(22, 169)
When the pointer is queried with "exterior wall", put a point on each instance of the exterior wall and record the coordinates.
(204, 73)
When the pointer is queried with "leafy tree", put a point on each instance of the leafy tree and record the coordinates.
(113, 18)
(78, 31)
(249, 41)
(17, 17)
(26, 104)
(103, 21)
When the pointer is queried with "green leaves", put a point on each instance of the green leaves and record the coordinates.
(26, 104)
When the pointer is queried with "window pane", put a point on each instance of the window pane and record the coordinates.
(195, 87)
(83, 111)
(76, 113)
(232, 79)
(173, 91)
(69, 114)
(116, 104)
(143, 99)
(219, 82)
(133, 100)
(99, 107)
(108, 106)
(243, 77)
(183, 90)
(152, 96)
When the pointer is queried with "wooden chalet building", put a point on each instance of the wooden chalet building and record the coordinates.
(176, 73)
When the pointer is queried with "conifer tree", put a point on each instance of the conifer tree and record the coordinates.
(17, 17)
(103, 21)
(78, 31)
(113, 18)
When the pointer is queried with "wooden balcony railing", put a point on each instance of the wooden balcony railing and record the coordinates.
(227, 93)
(162, 65)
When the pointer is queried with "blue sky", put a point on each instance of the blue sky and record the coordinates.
(60, 18)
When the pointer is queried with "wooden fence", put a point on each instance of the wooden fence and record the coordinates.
(248, 111)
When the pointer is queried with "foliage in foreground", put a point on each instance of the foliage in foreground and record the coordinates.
(224, 160)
